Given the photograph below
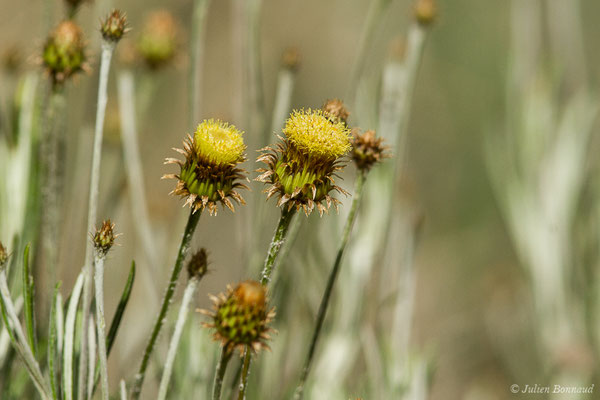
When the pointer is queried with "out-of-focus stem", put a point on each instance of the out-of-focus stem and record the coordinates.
(220, 373)
(181, 318)
(360, 179)
(197, 51)
(107, 52)
(101, 324)
(160, 319)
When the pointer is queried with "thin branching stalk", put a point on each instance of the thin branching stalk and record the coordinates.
(160, 320)
(101, 327)
(276, 243)
(181, 319)
(198, 33)
(360, 179)
(107, 52)
(69, 342)
(220, 373)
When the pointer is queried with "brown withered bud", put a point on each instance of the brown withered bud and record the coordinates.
(198, 264)
(114, 26)
(64, 52)
(3, 256)
(291, 59)
(425, 11)
(104, 238)
(336, 109)
(367, 149)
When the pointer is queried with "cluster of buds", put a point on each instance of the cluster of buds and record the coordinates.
(104, 238)
(197, 267)
(209, 174)
(157, 43)
(302, 166)
(3, 256)
(64, 52)
(367, 150)
(241, 317)
(114, 26)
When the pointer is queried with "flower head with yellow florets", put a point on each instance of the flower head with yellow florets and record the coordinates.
(302, 166)
(210, 174)
(241, 317)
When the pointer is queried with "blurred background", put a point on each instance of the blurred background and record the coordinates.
(502, 285)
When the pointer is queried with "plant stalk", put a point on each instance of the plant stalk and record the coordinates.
(220, 374)
(183, 249)
(360, 180)
(101, 324)
(107, 52)
(181, 319)
(245, 373)
(276, 243)
(199, 13)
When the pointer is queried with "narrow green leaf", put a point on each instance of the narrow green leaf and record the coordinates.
(116, 321)
(28, 296)
(52, 344)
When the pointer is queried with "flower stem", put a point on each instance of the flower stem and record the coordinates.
(245, 372)
(101, 324)
(276, 243)
(360, 180)
(107, 52)
(183, 249)
(220, 374)
(181, 318)
(198, 33)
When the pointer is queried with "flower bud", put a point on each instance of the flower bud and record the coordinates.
(104, 238)
(114, 26)
(291, 59)
(198, 264)
(64, 52)
(367, 150)
(157, 43)
(425, 11)
(336, 109)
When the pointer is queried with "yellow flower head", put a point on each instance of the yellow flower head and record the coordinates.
(219, 143)
(312, 132)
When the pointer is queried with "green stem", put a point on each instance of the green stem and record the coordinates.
(220, 374)
(183, 249)
(100, 325)
(276, 243)
(245, 372)
(360, 180)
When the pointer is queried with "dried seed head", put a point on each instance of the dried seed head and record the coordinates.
(114, 26)
(157, 43)
(3, 256)
(241, 317)
(336, 109)
(301, 168)
(64, 52)
(367, 150)
(425, 11)
(291, 59)
(104, 238)
(210, 174)
(198, 264)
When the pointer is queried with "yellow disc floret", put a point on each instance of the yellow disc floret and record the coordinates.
(219, 143)
(313, 132)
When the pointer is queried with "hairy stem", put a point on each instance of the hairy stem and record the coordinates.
(245, 373)
(276, 243)
(183, 249)
(101, 324)
(331, 282)
(181, 318)
(107, 52)
(220, 373)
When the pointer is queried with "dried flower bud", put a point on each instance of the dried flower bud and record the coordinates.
(291, 59)
(336, 109)
(157, 43)
(104, 238)
(425, 11)
(301, 168)
(209, 174)
(367, 150)
(64, 52)
(114, 26)
(241, 317)
(3, 256)
(198, 264)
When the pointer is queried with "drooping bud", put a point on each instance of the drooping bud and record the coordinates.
(425, 11)
(241, 317)
(114, 26)
(64, 52)
(336, 109)
(3, 256)
(367, 149)
(104, 238)
(198, 264)
(157, 43)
